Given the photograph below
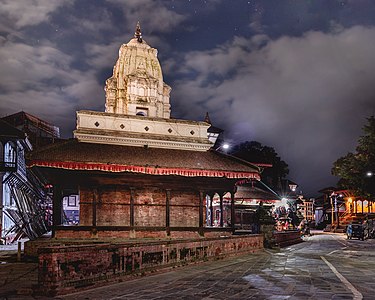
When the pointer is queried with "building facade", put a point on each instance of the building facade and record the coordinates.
(25, 205)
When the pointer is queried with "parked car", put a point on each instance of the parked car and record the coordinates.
(355, 231)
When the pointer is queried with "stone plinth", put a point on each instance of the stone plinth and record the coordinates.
(286, 238)
(65, 269)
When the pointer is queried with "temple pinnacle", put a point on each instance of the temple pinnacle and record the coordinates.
(138, 33)
(207, 118)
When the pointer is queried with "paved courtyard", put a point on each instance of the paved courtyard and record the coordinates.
(325, 266)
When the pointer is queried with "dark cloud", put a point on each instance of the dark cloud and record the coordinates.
(306, 96)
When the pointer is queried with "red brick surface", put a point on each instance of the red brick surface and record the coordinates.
(286, 238)
(113, 207)
(70, 268)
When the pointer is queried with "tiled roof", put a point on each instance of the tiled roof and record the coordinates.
(115, 158)
(8, 131)
(248, 192)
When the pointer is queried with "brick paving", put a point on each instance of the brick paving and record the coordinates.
(296, 272)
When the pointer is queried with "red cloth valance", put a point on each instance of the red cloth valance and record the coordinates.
(143, 170)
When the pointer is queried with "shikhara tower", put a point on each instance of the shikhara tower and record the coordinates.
(136, 86)
(137, 108)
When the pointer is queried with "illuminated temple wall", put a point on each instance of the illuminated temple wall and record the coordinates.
(359, 206)
(113, 207)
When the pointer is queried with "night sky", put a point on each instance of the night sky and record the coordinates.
(295, 75)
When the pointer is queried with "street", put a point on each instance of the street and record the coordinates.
(325, 266)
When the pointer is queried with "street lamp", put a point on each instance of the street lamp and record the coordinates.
(369, 174)
(224, 146)
(334, 203)
(292, 186)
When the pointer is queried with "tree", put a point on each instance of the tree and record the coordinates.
(255, 152)
(353, 167)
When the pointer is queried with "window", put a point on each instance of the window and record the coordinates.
(72, 201)
(9, 155)
(140, 111)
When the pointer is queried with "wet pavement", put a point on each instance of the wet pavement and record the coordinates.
(325, 266)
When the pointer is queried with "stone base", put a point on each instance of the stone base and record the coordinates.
(287, 238)
(66, 269)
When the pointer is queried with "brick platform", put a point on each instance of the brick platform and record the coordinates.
(287, 238)
(65, 269)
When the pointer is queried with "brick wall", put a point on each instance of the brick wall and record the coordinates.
(67, 269)
(113, 207)
(286, 238)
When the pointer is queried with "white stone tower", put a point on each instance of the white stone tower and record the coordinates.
(137, 110)
(136, 86)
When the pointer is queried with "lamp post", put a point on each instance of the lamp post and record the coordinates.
(335, 211)
(292, 186)
(370, 186)
(292, 202)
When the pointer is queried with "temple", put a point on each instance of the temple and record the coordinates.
(141, 174)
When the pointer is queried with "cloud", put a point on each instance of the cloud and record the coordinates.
(307, 96)
(30, 67)
(46, 77)
(41, 80)
(23, 13)
(153, 15)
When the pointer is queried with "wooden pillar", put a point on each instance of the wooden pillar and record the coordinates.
(211, 211)
(167, 211)
(57, 208)
(232, 211)
(221, 195)
(132, 196)
(200, 230)
(94, 205)
(362, 206)
(355, 206)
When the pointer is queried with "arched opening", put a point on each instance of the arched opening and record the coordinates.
(218, 210)
(365, 206)
(141, 111)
